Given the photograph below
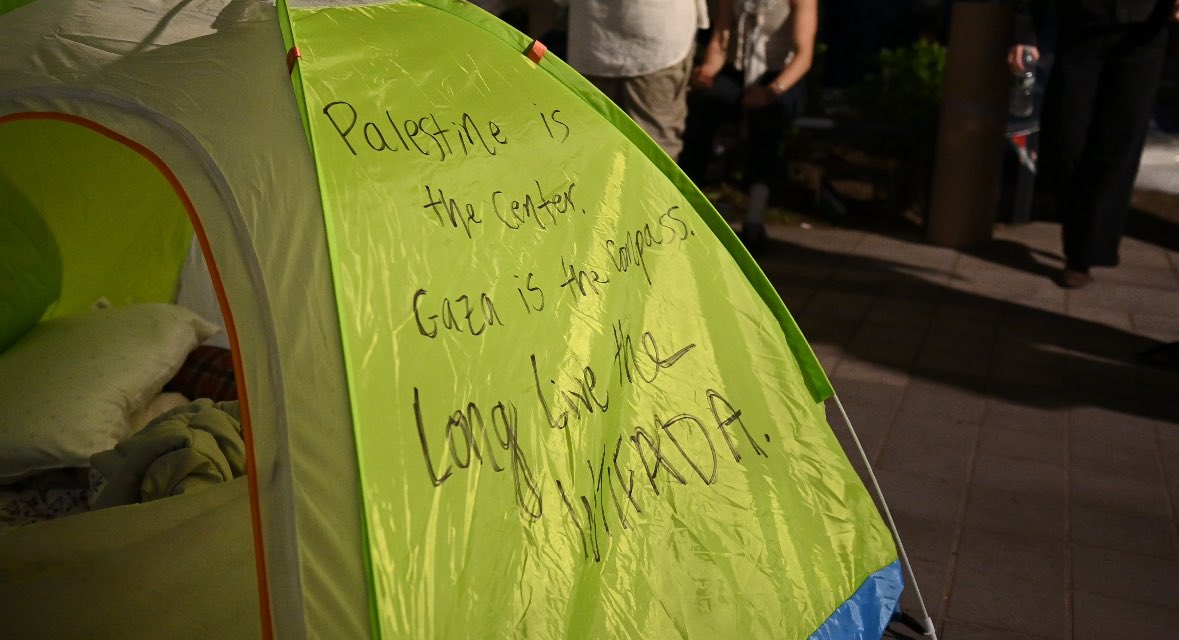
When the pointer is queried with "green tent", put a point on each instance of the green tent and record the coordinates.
(503, 370)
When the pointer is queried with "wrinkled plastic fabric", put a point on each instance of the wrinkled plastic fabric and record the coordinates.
(861, 616)
(9, 5)
(54, 166)
(576, 413)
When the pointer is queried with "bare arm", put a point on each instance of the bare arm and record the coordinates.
(718, 45)
(804, 20)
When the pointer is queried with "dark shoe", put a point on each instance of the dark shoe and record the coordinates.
(753, 235)
(1074, 279)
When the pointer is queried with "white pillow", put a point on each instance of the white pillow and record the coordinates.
(158, 405)
(69, 387)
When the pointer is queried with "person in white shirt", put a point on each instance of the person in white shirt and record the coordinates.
(639, 53)
(753, 68)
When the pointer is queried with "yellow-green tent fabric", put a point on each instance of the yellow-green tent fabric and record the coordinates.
(506, 370)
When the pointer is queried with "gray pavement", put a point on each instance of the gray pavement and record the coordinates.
(1159, 170)
(1031, 463)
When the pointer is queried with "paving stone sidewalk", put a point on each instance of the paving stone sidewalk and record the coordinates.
(1031, 462)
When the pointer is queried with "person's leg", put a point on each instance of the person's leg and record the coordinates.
(707, 110)
(658, 102)
(1068, 106)
(1117, 133)
(766, 128)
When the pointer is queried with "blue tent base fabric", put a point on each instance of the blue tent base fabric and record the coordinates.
(867, 613)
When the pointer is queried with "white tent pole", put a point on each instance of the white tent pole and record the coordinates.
(892, 525)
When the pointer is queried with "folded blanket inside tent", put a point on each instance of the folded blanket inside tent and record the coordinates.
(191, 447)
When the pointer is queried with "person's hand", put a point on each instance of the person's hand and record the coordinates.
(757, 96)
(1015, 54)
(1175, 12)
(702, 77)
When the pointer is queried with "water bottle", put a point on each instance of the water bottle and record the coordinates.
(1021, 102)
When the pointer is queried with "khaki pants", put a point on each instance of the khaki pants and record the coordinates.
(658, 102)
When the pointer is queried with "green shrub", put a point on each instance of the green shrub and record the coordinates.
(908, 87)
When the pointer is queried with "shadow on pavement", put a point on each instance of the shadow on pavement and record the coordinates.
(900, 317)
(1155, 226)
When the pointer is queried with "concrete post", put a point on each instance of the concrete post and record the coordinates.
(968, 161)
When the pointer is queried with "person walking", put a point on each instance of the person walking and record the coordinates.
(1109, 59)
(757, 57)
(639, 54)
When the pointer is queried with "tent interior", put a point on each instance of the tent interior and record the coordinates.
(110, 329)
(137, 169)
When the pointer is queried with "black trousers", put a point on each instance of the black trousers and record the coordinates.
(1097, 109)
(765, 127)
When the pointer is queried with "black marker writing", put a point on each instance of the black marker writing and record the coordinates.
(542, 210)
(471, 318)
(584, 396)
(534, 299)
(449, 210)
(582, 281)
(720, 406)
(631, 251)
(554, 117)
(631, 363)
(422, 134)
(469, 425)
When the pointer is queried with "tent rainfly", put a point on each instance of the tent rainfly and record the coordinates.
(502, 369)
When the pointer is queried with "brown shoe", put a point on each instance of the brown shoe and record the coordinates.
(1073, 279)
